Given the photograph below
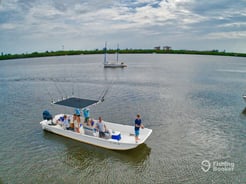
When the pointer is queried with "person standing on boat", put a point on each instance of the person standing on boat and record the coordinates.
(76, 120)
(101, 127)
(138, 125)
(86, 113)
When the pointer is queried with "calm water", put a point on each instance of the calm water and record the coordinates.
(192, 103)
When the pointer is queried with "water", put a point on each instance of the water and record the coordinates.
(193, 104)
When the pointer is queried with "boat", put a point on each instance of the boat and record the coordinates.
(111, 64)
(118, 137)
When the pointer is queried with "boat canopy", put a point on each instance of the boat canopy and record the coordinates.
(76, 102)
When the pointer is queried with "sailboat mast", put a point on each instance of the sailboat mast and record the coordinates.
(117, 53)
(105, 53)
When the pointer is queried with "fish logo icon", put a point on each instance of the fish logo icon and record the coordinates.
(205, 165)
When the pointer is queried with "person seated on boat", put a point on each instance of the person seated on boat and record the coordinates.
(101, 127)
(60, 121)
(90, 122)
(65, 122)
(86, 113)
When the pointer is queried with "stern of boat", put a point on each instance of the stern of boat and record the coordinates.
(44, 123)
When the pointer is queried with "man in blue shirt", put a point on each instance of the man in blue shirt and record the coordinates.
(138, 124)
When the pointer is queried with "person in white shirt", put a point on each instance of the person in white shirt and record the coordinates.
(101, 127)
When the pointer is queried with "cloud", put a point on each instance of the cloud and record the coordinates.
(227, 35)
(48, 24)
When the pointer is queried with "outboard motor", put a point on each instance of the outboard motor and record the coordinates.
(47, 115)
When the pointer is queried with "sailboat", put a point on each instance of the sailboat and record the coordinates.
(110, 64)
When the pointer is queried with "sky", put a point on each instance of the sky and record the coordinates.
(49, 25)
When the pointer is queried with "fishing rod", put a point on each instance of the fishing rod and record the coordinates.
(105, 91)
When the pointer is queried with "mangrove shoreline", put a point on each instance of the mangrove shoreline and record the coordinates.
(125, 51)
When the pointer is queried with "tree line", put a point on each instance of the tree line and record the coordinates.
(111, 51)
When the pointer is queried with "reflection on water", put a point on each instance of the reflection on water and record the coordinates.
(244, 111)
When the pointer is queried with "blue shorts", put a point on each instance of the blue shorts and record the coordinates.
(136, 133)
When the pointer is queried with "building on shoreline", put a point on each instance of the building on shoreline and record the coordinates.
(165, 48)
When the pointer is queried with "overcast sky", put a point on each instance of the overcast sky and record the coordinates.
(46, 25)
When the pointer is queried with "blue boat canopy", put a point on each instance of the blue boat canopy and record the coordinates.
(79, 103)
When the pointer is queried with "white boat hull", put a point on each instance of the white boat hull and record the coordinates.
(126, 142)
(114, 65)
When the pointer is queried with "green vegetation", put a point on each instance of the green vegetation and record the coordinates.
(125, 51)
